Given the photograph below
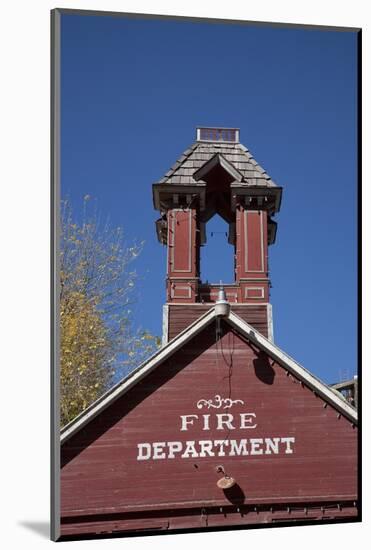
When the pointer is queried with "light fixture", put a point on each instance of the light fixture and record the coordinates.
(225, 482)
(222, 306)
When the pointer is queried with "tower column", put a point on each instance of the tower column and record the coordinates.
(252, 254)
(182, 259)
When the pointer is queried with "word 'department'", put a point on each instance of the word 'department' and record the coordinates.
(225, 424)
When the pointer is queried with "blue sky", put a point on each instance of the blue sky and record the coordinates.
(133, 93)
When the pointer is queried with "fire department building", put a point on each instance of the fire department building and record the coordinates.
(220, 427)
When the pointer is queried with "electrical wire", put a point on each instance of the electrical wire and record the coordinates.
(218, 333)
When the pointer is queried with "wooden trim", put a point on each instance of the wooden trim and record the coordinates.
(292, 366)
(216, 159)
(184, 278)
(137, 375)
(173, 290)
(270, 322)
(173, 242)
(246, 248)
(228, 167)
(253, 280)
(345, 385)
(171, 188)
(165, 324)
(191, 505)
(247, 288)
(270, 191)
(319, 387)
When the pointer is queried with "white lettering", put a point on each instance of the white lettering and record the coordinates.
(219, 447)
(158, 450)
(141, 448)
(206, 447)
(206, 421)
(174, 447)
(221, 443)
(227, 422)
(246, 418)
(288, 441)
(254, 443)
(190, 450)
(272, 445)
(185, 421)
(238, 448)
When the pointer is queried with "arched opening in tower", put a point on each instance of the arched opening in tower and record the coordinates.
(217, 254)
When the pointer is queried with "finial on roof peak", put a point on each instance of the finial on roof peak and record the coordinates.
(230, 135)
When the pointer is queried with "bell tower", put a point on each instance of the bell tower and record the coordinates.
(216, 175)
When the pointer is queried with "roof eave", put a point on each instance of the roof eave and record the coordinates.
(136, 375)
(318, 387)
(255, 190)
(175, 188)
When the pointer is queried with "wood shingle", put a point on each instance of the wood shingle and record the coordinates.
(200, 152)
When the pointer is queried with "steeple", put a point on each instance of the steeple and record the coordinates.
(218, 175)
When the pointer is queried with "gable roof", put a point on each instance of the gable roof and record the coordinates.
(193, 158)
(218, 159)
(321, 389)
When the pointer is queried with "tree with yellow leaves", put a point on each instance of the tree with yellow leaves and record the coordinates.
(97, 282)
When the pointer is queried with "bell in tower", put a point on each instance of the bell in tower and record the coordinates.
(216, 175)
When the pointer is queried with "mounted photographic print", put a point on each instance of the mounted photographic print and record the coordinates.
(205, 369)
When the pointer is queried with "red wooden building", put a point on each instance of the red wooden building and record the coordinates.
(220, 427)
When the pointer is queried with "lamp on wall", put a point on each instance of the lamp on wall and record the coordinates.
(225, 482)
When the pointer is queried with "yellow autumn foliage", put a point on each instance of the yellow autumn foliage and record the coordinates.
(85, 355)
(98, 344)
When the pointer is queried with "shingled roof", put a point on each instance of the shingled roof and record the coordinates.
(193, 158)
(220, 173)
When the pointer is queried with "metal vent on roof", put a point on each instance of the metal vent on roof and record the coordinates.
(218, 134)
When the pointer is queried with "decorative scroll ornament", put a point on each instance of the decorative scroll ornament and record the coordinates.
(218, 402)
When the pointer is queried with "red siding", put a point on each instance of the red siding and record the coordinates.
(252, 255)
(182, 256)
(181, 316)
(251, 243)
(255, 248)
(102, 478)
